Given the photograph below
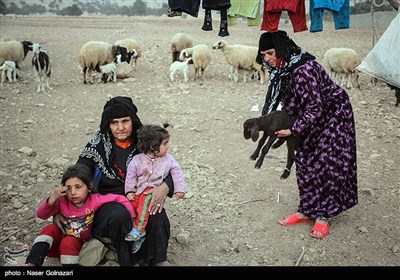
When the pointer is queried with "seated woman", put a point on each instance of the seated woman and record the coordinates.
(108, 154)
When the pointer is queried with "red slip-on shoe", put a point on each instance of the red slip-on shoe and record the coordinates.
(323, 229)
(293, 220)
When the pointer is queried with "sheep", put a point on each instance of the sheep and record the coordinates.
(179, 42)
(131, 44)
(180, 66)
(201, 56)
(95, 53)
(9, 69)
(341, 64)
(269, 124)
(109, 71)
(42, 66)
(240, 57)
(14, 51)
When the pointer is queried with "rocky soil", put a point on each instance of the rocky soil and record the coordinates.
(230, 215)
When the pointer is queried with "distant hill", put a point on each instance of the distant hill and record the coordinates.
(66, 3)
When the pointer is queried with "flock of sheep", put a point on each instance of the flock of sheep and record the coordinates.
(107, 59)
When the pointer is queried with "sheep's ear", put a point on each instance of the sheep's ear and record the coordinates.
(255, 133)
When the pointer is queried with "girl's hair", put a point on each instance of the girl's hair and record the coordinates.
(80, 171)
(150, 138)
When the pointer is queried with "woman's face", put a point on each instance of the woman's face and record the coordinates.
(269, 57)
(77, 191)
(121, 128)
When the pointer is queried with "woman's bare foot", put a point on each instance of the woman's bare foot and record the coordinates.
(320, 229)
(295, 219)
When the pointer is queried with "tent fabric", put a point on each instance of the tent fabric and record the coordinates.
(383, 61)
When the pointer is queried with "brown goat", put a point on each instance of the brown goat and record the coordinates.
(269, 124)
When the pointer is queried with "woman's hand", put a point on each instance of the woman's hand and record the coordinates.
(283, 133)
(159, 195)
(59, 220)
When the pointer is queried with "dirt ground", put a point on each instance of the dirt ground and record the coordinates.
(230, 215)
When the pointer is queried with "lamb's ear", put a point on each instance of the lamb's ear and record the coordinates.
(255, 132)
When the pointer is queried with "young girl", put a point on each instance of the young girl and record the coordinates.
(75, 202)
(147, 171)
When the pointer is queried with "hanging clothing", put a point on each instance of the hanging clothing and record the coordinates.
(190, 7)
(340, 11)
(296, 10)
(216, 4)
(249, 9)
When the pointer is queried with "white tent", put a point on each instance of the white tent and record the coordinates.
(383, 61)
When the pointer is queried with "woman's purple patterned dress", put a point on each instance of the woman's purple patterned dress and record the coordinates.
(326, 164)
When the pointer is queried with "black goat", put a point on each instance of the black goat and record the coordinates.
(269, 124)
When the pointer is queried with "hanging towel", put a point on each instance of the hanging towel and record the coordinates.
(296, 10)
(249, 9)
(340, 11)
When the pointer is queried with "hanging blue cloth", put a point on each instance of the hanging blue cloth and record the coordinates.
(340, 11)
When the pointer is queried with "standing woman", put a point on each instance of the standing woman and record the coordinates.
(326, 165)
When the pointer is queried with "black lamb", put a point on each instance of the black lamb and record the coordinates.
(269, 124)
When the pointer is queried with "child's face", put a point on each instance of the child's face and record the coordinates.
(163, 148)
(77, 191)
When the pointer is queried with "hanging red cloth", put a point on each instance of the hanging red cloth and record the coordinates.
(296, 10)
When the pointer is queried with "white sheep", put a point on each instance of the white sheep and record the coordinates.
(9, 69)
(179, 42)
(240, 57)
(180, 66)
(131, 44)
(108, 71)
(93, 54)
(201, 56)
(14, 51)
(341, 64)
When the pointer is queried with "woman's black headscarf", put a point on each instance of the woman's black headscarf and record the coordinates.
(120, 107)
(289, 56)
(100, 147)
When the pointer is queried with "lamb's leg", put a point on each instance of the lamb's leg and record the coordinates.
(14, 75)
(185, 75)
(89, 71)
(230, 73)
(196, 72)
(84, 71)
(203, 77)
(236, 74)
(261, 75)
(9, 76)
(349, 77)
(254, 156)
(38, 79)
(290, 143)
(115, 76)
(278, 143)
(264, 151)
